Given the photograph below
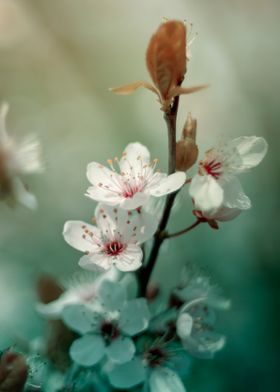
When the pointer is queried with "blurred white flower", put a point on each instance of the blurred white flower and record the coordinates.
(115, 240)
(194, 286)
(195, 329)
(107, 330)
(158, 366)
(81, 291)
(136, 182)
(215, 185)
(16, 160)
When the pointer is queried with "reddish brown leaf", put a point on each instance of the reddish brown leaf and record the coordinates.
(131, 87)
(166, 56)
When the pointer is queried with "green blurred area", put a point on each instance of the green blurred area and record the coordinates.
(57, 60)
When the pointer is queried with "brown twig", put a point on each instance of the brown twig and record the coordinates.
(170, 118)
(184, 231)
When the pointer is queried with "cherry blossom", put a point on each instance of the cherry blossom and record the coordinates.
(194, 327)
(158, 365)
(109, 329)
(136, 182)
(17, 160)
(215, 185)
(81, 290)
(115, 240)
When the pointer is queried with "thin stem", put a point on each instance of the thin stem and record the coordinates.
(184, 231)
(170, 118)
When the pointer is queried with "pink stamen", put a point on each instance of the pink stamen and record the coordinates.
(114, 248)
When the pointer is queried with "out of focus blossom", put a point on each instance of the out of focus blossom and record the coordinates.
(82, 290)
(109, 329)
(115, 240)
(216, 184)
(16, 161)
(194, 327)
(158, 365)
(136, 182)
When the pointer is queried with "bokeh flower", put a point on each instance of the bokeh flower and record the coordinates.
(81, 290)
(136, 182)
(17, 160)
(109, 329)
(195, 328)
(158, 365)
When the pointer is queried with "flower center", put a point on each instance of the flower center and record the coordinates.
(114, 248)
(212, 168)
(155, 356)
(109, 331)
(130, 191)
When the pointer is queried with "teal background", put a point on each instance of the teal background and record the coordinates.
(57, 60)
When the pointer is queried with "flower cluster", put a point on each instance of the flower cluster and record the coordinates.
(130, 341)
(114, 329)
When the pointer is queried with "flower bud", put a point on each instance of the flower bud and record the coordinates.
(186, 148)
(166, 56)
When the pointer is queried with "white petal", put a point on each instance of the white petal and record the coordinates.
(204, 345)
(184, 325)
(169, 184)
(28, 156)
(111, 295)
(137, 200)
(222, 214)
(165, 380)
(130, 259)
(130, 282)
(134, 156)
(128, 375)
(23, 196)
(206, 192)
(99, 174)
(109, 219)
(96, 262)
(87, 350)
(53, 309)
(80, 318)
(252, 150)
(73, 232)
(147, 224)
(121, 350)
(234, 196)
(105, 196)
(134, 317)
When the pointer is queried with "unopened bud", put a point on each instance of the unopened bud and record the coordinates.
(186, 148)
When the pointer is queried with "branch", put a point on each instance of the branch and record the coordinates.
(184, 231)
(145, 274)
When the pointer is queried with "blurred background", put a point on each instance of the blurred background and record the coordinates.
(57, 60)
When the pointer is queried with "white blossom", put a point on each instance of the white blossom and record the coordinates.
(159, 366)
(136, 182)
(81, 290)
(109, 329)
(194, 327)
(17, 160)
(115, 240)
(215, 185)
